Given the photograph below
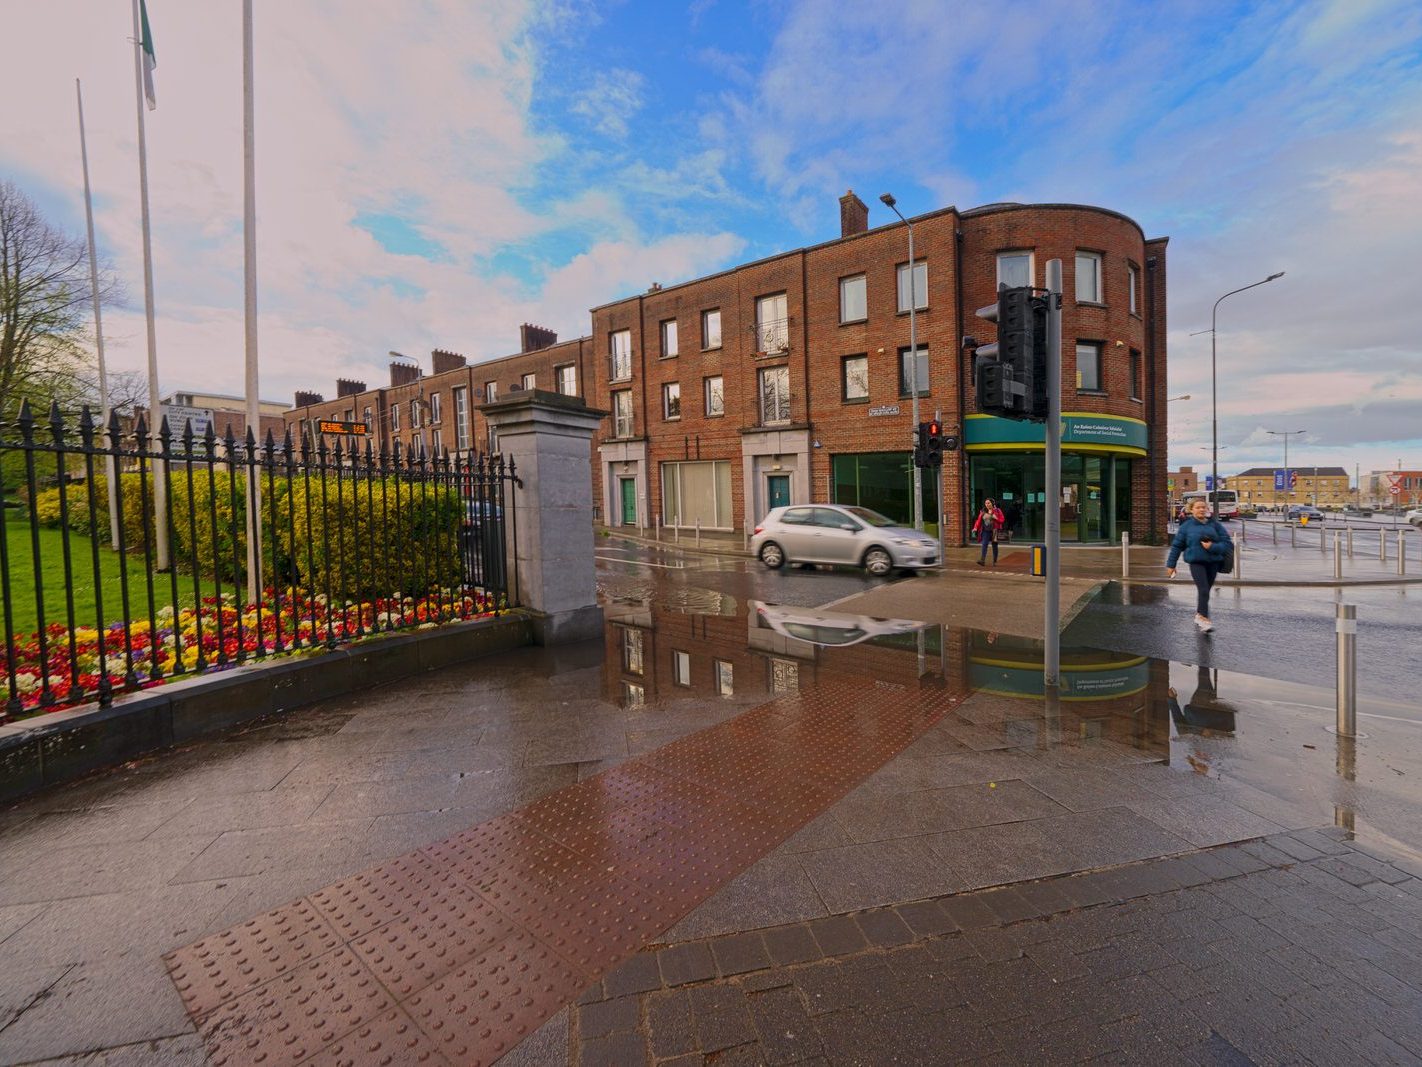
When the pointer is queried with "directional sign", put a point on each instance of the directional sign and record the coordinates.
(179, 415)
(333, 426)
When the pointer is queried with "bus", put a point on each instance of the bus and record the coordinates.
(1226, 500)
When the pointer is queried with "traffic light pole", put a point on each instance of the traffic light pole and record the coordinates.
(1051, 652)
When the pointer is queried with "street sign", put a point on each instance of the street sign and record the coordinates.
(179, 415)
(333, 426)
(1395, 490)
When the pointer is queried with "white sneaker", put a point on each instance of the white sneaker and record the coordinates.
(1205, 625)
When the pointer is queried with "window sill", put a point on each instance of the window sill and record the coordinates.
(1092, 392)
(669, 355)
(854, 400)
(671, 418)
(619, 381)
(712, 348)
(854, 322)
(909, 396)
(904, 314)
(715, 414)
(1090, 304)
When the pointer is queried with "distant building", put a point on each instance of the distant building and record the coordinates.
(1183, 481)
(1377, 486)
(1325, 487)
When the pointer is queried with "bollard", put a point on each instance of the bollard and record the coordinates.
(1322, 539)
(1337, 558)
(1350, 542)
(657, 524)
(698, 533)
(1274, 529)
(1401, 554)
(1293, 537)
(1382, 545)
(1125, 553)
(1347, 626)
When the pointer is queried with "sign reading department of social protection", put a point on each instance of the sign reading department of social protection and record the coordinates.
(335, 426)
(180, 415)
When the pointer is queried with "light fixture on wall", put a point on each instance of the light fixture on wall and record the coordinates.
(818, 445)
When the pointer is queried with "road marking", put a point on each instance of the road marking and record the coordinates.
(644, 563)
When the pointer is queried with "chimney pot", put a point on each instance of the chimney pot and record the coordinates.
(853, 215)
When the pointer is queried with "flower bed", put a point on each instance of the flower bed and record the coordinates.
(66, 669)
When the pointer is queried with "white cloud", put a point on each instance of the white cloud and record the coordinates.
(610, 101)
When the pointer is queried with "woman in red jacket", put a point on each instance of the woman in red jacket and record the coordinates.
(990, 521)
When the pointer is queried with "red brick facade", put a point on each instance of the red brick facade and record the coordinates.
(788, 448)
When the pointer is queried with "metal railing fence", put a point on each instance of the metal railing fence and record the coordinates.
(353, 543)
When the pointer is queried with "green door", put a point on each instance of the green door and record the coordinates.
(629, 501)
(778, 490)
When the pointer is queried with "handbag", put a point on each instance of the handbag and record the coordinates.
(1227, 560)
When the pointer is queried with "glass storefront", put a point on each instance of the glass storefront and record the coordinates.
(1096, 493)
(883, 481)
(698, 492)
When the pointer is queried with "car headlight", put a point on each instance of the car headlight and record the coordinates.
(904, 541)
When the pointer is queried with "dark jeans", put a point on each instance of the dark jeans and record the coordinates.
(1204, 575)
(983, 555)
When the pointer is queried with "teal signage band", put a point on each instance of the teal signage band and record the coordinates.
(1081, 432)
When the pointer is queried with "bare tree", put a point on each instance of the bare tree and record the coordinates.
(44, 306)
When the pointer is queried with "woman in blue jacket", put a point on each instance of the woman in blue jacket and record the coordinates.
(1203, 541)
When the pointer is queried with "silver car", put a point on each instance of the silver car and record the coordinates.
(843, 534)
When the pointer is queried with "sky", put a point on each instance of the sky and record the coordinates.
(432, 173)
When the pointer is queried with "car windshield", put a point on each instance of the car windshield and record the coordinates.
(873, 518)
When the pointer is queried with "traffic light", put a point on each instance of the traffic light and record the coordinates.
(934, 444)
(1012, 373)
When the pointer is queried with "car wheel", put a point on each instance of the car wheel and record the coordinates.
(772, 556)
(878, 562)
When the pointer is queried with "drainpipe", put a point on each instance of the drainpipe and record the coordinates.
(1157, 527)
(805, 359)
(962, 397)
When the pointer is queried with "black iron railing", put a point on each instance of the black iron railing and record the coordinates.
(352, 543)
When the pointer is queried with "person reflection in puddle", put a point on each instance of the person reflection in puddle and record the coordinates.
(1205, 712)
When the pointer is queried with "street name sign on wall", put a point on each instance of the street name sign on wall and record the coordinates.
(884, 409)
(179, 415)
(334, 426)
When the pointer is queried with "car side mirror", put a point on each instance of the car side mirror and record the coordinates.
(849, 526)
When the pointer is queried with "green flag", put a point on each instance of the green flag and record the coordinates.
(149, 62)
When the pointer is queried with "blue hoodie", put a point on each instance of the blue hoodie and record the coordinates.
(1187, 540)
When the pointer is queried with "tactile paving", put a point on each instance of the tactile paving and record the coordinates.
(455, 952)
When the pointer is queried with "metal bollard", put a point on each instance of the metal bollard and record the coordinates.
(1322, 542)
(1337, 557)
(1347, 626)
(1125, 553)
(1293, 537)
(1401, 554)
(1274, 529)
(698, 533)
(1382, 545)
(657, 523)
(1350, 542)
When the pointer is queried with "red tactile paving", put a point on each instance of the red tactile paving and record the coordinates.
(456, 952)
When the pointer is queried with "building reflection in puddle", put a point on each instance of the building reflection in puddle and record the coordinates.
(656, 654)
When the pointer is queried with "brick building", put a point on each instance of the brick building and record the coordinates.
(1377, 488)
(788, 380)
(1325, 487)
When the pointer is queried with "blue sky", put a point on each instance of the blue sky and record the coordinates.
(432, 175)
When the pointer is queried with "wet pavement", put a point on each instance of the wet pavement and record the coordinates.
(732, 817)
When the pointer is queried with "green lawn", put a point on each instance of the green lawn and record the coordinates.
(51, 550)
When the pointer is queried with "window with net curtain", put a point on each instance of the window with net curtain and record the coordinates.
(1014, 269)
(695, 492)
(774, 396)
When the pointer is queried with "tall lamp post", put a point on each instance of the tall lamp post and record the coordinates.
(1285, 434)
(1214, 389)
(892, 205)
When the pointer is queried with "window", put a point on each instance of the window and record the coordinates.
(669, 347)
(622, 413)
(784, 676)
(633, 695)
(438, 443)
(711, 328)
(774, 396)
(725, 677)
(632, 658)
(565, 379)
(715, 397)
(855, 379)
(681, 668)
(772, 324)
(671, 401)
(620, 354)
(1136, 393)
(908, 367)
(394, 418)
(530, 381)
(491, 392)
(920, 285)
(461, 418)
(1132, 279)
(1088, 278)
(436, 409)
(697, 493)
(417, 445)
(853, 299)
(1088, 366)
(1015, 269)
(367, 421)
(493, 435)
(414, 414)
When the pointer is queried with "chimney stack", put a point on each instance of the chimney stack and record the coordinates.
(403, 373)
(348, 387)
(853, 215)
(532, 338)
(443, 360)
(305, 398)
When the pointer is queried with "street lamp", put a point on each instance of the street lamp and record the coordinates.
(1214, 386)
(1172, 399)
(1285, 434)
(892, 205)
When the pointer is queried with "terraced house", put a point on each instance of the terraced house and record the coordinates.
(790, 379)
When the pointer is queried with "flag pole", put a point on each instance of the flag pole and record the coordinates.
(155, 413)
(249, 246)
(98, 327)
